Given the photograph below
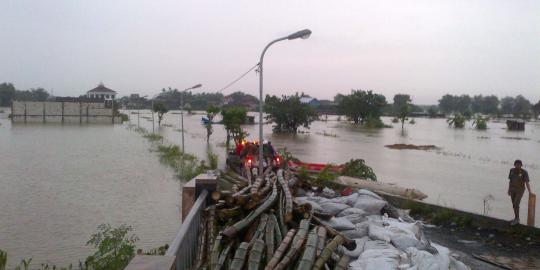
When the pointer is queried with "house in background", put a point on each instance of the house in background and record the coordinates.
(101, 92)
(310, 101)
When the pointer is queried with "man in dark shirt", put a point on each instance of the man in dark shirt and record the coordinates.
(519, 179)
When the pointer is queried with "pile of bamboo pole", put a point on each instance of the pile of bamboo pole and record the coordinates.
(259, 226)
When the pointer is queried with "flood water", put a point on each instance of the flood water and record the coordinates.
(60, 182)
(470, 166)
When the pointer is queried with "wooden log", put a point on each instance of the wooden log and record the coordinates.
(531, 209)
(410, 193)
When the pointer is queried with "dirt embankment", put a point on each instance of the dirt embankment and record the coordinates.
(400, 146)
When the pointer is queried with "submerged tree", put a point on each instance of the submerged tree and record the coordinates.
(457, 121)
(288, 113)
(480, 122)
(233, 118)
(361, 106)
(402, 107)
(160, 109)
(211, 112)
(536, 110)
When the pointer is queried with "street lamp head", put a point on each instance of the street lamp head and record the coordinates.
(196, 86)
(303, 34)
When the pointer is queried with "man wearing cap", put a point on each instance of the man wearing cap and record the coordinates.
(519, 179)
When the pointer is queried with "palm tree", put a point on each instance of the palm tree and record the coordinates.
(458, 121)
(480, 122)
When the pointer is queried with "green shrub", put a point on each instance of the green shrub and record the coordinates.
(358, 168)
(115, 247)
(374, 122)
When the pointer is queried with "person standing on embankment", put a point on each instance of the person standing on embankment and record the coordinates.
(519, 178)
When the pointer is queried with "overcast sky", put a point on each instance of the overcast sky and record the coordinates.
(424, 48)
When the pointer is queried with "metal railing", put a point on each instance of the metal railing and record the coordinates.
(185, 245)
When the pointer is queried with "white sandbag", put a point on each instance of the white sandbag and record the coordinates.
(303, 200)
(423, 260)
(355, 218)
(443, 257)
(411, 229)
(403, 242)
(369, 204)
(339, 224)
(377, 259)
(357, 232)
(355, 253)
(377, 244)
(332, 208)
(379, 233)
(348, 200)
(317, 199)
(457, 265)
(369, 193)
(350, 211)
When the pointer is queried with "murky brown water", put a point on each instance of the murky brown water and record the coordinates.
(470, 166)
(60, 182)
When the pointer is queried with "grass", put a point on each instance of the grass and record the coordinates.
(185, 165)
(153, 137)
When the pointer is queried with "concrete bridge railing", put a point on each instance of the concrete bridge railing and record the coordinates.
(182, 253)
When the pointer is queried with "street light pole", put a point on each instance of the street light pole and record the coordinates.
(139, 111)
(182, 112)
(304, 34)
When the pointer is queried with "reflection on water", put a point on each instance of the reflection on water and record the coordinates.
(58, 183)
(467, 168)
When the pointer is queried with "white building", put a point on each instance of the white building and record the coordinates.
(101, 92)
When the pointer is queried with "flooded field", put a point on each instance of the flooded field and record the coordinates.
(60, 182)
(467, 167)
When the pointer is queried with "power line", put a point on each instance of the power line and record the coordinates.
(239, 78)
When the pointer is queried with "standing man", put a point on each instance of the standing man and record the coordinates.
(519, 178)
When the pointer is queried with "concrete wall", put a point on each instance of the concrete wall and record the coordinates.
(62, 112)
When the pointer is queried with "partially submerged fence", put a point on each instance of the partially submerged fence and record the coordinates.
(62, 112)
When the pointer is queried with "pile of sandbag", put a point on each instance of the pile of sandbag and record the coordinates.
(382, 242)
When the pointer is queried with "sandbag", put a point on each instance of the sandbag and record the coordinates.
(339, 224)
(303, 200)
(355, 253)
(423, 260)
(350, 211)
(369, 193)
(360, 231)
(377, 244)
(369, 204)
(377, 259)
(348, 200)
(457, 265)
(332, 208)
(355, 218)
(379, 233)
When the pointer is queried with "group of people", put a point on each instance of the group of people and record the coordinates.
(250, 151)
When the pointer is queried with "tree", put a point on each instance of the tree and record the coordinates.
(233, 118)
(507, 105)
(448, 103)
(458, 121)
(536, 110)
(402, 107)
(288, 113)
(480, 122)
(490, 105)
(7, 93)
(115, 247)
(160, 109)
(360, 104)
(211, 112)
(521, 107)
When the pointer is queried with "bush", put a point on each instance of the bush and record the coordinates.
(374, 122)
(358, 168)
(115, 247)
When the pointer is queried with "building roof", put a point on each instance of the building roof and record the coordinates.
(101, 88)
(307, 100)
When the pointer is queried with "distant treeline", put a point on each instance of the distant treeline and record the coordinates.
(8, 93)
(517, 106)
